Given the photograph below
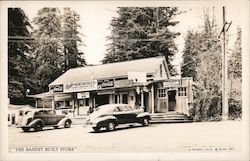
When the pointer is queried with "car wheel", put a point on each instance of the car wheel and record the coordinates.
(38, 127)
(26, 129)
(110, 126)
(145, 122)
(67, 124)
(97, 129)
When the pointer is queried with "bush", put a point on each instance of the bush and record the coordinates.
(235, 109)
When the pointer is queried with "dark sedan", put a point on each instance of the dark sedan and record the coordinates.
(111, 115)
(44, 118)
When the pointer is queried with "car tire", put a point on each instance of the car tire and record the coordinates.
(96, 129)
(110, 126)
(25, 129)
(145, 121)
(67, 124)
(38, 127)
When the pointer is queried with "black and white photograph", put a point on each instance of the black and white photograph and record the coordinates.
(124, 80)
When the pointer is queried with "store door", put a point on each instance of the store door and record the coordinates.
(13, 119)
(171, 100)
(101, 100)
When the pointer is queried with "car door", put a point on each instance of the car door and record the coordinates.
(118, 113)
(52, 117)
(129, 114)
(124, 114)
(42, 114)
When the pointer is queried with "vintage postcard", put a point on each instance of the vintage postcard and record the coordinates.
(124, 80)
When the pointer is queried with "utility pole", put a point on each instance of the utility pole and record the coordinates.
(224, 68)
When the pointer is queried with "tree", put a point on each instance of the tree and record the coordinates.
(56, 44)
(202, 61)
(142, 33)
(20, 67)
(235, 61)
(48, 48)
(71, 40)
(190, 54)
(235, 77)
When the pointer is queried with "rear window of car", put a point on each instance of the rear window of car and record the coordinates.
(51, 112)
(118, 109)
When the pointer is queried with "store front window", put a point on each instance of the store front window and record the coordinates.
(125, 98)
(63, 104)
(182, 91)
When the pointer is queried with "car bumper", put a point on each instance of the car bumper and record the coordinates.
(90, 124)
(25, 126)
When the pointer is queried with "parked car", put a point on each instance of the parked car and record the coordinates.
(111, 115)
(38, 119)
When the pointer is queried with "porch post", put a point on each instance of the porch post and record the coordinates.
(53, 104)
(153, 99)
(142, 98)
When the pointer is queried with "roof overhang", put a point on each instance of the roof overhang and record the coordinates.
(45, 95)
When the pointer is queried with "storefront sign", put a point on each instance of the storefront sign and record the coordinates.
(123, 83)
(57, 88)
(62, 97)
(105, 92)
(171, 83)
(105, 83)
(81, 86)
(137, 77)
(82, 95)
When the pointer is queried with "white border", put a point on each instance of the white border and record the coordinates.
(243, 155)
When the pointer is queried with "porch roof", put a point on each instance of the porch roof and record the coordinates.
(45, 95)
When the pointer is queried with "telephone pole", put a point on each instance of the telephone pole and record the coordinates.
(224, 67)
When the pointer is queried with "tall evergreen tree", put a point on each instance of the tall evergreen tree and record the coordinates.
(235, 77)
(48, 48)
(142, 33)
(20, 67)
(71, 40)
(235, 61)
(190, 55)
(202, 61)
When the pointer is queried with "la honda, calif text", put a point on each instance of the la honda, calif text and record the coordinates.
(44, 149)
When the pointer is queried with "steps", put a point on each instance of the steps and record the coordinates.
(169, 117)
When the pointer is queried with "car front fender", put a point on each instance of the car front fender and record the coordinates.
(103, 119)
(62, 121)
(144, 114)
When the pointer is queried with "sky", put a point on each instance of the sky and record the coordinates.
(95, 18)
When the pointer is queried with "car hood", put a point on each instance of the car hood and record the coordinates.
(95, 114)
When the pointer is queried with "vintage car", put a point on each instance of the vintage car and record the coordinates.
(111, 115)
(38, 119)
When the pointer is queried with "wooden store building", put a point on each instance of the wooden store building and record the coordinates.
(142, 82)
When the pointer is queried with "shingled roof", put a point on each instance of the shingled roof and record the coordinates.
(112, 70)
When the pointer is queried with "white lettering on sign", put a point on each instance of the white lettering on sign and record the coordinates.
(81, 86)
(82, 95)
(60, 97)
(171, 83)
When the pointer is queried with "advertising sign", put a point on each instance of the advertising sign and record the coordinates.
(172, 83)
(105, 92)
(82, 95)
(57, 88)
(61, 97)
(137, 77)
(81, 86)
(105, 83)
